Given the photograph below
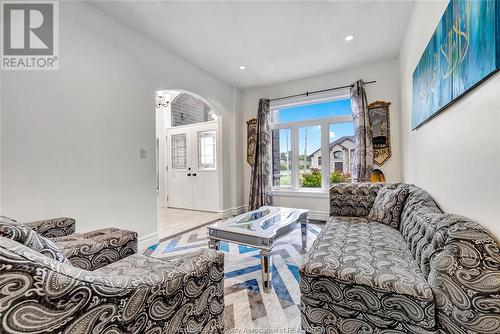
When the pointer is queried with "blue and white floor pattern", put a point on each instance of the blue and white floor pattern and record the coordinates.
(247, 307)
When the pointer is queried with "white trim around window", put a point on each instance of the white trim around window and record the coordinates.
(295, 190)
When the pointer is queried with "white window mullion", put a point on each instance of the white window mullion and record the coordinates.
(312, 122)
(325, 156)
(295, 158)
(298, 128)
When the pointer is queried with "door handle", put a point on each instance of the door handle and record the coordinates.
(194, 174)
(189, 174)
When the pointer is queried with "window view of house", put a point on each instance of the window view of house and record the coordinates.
(341, 151)
(298, 161)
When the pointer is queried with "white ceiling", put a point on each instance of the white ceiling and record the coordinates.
(276, 41)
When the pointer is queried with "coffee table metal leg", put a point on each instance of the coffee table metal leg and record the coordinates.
(214, 244)
(266, 264)
(303, 230)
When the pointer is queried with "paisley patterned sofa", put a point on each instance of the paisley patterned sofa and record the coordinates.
(41, 291)
(435, 273)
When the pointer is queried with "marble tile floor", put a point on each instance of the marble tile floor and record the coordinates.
(174, 221)
(247, 308)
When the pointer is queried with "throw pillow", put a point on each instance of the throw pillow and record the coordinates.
(389, 204)
(9, 228)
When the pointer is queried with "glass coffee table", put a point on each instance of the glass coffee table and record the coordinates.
(260, 229)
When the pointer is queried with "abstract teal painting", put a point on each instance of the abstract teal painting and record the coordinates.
(463, 51)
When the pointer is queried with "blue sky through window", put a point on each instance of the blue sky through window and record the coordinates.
(315, 111)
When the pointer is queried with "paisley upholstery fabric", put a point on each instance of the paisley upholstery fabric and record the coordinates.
(260, 180)
(320, 317)
(96, 249)
(5, 219)
(417, 203)
(388, 205)
(56, 227)
(353, 199)
(134, 264)
(465, 277)
(28, 237)
(363, 134)
(367, 267)
(452, 257)
(40, 295)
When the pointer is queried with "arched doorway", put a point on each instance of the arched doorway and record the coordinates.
(189, 160)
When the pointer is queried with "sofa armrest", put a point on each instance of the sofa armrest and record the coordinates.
(56, 227)
(465, 279)
(151, 269)
(353, 199)
(181, 297)
(99, 248)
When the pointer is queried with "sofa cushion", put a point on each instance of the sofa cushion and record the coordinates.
(99, 248)
(353, 199)
(26, 236)
(367, 266)
(389, 204)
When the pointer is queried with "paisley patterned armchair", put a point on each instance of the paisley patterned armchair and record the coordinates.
(52, 228)
(434, 273)
(137, 294)
(90, 250)
(99, 248)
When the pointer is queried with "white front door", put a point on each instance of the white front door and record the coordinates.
(192, 176)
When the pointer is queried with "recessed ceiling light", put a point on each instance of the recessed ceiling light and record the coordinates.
(242, 67)
(349, 38)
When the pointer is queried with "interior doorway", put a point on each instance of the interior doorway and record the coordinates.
(189, 161)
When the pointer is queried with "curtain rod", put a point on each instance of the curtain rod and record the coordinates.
(319, 91)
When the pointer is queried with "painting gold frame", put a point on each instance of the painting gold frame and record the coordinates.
(378, 113)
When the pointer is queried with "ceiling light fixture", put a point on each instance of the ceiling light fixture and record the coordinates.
(349, 38)
(242, 67)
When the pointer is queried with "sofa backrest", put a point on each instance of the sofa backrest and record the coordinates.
(417, 202)
(417, 223)
(353, 199)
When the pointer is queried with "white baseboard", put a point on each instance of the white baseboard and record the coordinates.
(148, 240)
(233, 211)
(318, 215)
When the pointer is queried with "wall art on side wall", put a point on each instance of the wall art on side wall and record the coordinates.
(463, 51)
(378, 113)
(251, 138)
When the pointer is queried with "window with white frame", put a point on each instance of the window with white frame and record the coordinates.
(312, 143)
(206, 149)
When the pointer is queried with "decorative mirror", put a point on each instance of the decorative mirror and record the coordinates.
(378, 113)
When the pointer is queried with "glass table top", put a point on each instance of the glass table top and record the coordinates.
(265, 216)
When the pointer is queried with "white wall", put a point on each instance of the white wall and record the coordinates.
(386, 88)
(1, 136)
(456, 155)
(71, 138)
(163, 121)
